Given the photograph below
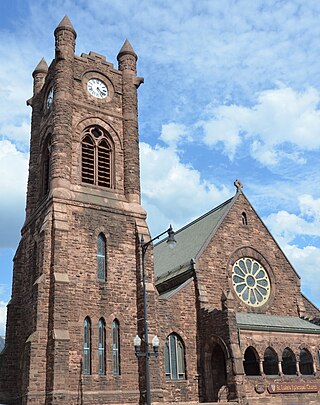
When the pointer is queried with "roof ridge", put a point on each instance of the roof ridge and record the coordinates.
(198, 219)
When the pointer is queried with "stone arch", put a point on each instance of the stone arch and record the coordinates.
(306, 362)
(251, 361)
(177, 331)
(218, 366)
(92, 121)
(288, 362)
(270, 361)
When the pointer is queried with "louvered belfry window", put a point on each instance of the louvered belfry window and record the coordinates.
(96, 158)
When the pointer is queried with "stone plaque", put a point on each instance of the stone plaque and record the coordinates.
(282, 388)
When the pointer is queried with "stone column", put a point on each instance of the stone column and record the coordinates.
(261, 367)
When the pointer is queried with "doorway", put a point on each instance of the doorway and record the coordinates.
(218, 373)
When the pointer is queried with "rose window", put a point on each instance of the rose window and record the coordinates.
(250, 282)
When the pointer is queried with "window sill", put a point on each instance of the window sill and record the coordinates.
(176, 381)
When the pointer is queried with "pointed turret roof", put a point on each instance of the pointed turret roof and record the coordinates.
(126, 49)
(65, 23)
(42, 67)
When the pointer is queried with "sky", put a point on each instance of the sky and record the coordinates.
(232, 90)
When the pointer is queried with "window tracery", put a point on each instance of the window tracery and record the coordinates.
(97, 163)
(251, 282)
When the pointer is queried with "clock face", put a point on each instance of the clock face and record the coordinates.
(50, 98)
(251, 282)
(97, 88)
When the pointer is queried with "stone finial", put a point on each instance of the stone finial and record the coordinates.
(127, 50)
(238, 184)
(42, 67)
(65, 24)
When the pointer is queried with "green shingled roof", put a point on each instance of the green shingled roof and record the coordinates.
(291, 324)
(190, 239)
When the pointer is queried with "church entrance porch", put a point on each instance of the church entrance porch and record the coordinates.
(216, 381)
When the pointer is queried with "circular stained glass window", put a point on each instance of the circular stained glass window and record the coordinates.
(250, 282)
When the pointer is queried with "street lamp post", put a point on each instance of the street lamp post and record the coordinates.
(155, 341)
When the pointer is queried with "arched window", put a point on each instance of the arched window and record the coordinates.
(87, 347)
(244, 218)
(306, 362)
(102, 346)
(96, 158)
(251, 362)
(288, 362)
(46, 166)
(101, 257)
(116, 347)
(174, 358)
(270, 362)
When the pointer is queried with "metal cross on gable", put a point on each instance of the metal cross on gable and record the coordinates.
(238, 184)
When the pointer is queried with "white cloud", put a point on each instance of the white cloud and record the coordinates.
(225, 128)
(294, 229)
(173, 133)
(262, 154)
(287, 226)
(305, 262)
(13, 180)
(310, 206)
(3, 317)
(18, 133)
(173, 191)
(280, 117)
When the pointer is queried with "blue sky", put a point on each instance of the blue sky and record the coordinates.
(232, 90)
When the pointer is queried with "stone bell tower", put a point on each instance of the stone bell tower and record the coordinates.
(75, 297)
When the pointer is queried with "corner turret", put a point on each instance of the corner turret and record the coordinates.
(127, 61)
(65, 36)
(39, 75)
(127, 58)
(65, 41)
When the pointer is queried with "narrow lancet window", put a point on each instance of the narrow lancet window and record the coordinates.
(116, 347)
(244, 218)
(101, 257)
(87, 347)
(102, 346)
(174, 358)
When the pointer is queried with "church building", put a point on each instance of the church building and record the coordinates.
(226, 317)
